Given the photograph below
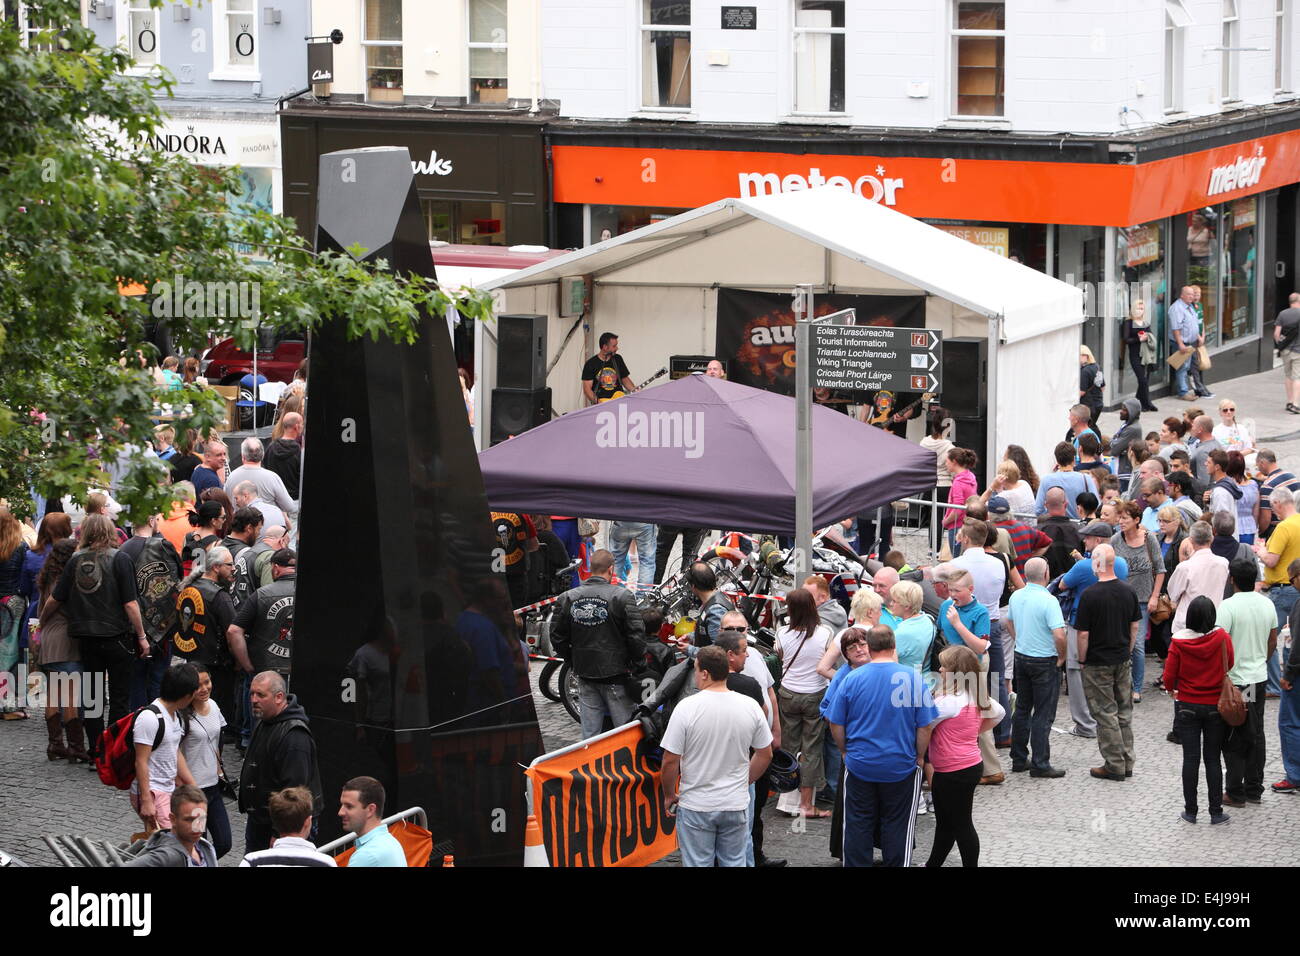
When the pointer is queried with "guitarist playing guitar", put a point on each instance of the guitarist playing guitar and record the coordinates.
(605, 372)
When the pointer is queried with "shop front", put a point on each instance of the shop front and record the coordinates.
(1124, 219)
(481, 180)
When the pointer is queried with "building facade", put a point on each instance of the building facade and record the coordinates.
(230, 61)
(1130, 145)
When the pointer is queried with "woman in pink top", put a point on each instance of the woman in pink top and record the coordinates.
(965, 711)
(959, 463)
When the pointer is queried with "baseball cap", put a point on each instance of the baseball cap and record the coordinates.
(1098, 529)
(999, 505)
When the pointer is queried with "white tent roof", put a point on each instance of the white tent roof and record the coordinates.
(846, 241)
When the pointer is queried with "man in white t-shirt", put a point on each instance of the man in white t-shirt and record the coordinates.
(159, 763)
(707, 747)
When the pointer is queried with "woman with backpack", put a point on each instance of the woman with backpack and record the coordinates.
(13, 616)
(201, 747)
(800, 646)
(1200, 656)
(60, 655)
(966, 710)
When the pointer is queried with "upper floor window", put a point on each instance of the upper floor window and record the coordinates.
(1177, 19)
(979, 51)
(1282, 46)
(234, 47)
(819, 56)
(666, 53)
(32, 28)
(488, 56)
(381, 38)
(138, 29)
(1231, 55)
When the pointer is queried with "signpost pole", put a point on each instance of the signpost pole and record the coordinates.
(803, 310)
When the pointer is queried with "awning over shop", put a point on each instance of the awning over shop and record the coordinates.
(737, 242)
(700, 452)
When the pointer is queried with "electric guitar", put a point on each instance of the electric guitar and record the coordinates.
(619, 394)
(883, 411)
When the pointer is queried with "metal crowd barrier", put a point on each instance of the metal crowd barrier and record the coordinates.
(421, 820)
(72, 850)
(918, 522)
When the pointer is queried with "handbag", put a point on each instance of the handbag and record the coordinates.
(1165, 609)
(587, 528)
(1231, 707)
(1203, 358)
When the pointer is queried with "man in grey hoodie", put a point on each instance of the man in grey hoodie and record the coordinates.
(184, 844)
(1129, 433)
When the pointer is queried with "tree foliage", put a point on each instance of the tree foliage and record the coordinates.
(86, 204)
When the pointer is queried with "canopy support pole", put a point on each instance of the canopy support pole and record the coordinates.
(803, 529)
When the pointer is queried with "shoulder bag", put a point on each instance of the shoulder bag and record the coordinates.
(1231, 707)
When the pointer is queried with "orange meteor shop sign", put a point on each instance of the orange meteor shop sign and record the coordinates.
(598, 804)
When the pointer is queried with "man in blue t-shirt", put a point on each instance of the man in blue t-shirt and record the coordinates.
(1073, 483)
(881, 720)
(1073, 583)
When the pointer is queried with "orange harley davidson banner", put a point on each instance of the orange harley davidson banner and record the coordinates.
(600, 805)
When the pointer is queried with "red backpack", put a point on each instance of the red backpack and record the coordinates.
(115, 760)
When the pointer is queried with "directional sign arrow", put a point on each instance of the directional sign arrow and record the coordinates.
(934, 362)
(934, 384)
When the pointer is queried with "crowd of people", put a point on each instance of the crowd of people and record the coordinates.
(1146, 562)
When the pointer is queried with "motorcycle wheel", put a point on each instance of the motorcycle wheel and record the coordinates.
(544, 681)
(568, 684)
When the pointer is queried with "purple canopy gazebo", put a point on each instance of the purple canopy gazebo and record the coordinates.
(701, 452)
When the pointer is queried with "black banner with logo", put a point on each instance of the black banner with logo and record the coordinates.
(756, 330)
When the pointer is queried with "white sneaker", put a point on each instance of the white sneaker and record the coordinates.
(922, 809)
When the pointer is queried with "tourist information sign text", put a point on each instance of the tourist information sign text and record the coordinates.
(868, 358)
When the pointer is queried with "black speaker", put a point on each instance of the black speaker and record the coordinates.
(515, 410)
(965, 378)
(521, 351)
(973, 433)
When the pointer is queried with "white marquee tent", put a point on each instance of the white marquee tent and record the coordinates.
(657, 288)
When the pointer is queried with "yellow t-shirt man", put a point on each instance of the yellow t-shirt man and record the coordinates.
(1284, 541)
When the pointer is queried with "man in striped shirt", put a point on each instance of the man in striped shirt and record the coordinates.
(1270, 476)
(291, 817)
(1028, 542)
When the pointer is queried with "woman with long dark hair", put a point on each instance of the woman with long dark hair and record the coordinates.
(1200, 656)
(227, 507)
(202, 749)
(185, 461)
(960, 464)
(60, 655)
(800, 645)
(1021, 458)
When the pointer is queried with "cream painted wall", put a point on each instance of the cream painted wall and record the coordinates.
(435, 34)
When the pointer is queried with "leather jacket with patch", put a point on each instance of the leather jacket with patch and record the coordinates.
(598, 627)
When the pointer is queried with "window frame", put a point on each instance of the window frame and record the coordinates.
(642, 29)
(223, 69)
(1175, 65)
(955, 34)
(471, 44)
(1230, 65)
(366, 44)
(26, 31)
(124, 11)
(1282, 54)
(796, 32)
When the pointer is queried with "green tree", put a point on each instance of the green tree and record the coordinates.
(86, 204)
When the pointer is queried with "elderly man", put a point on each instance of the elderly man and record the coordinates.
(1185, 336)
(1075, 581)
(269, 486)
(1283, 547)
(1107, 623)
(1034, 618)
(715, 369)
(882, 582)
(1201, 574)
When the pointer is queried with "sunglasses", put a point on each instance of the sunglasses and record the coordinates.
(737, 630)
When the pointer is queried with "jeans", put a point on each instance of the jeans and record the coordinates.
(1139, 657)
(1110, 698)
(953, 547)
(146, 676)
(997, 680)
(1283, 599)
(1288, 732)
(1200, 727)
(712, 838)
(1191, 368)
(218, 821)
(113, 657)
(567, 532)
(749, 827)
(664, 548)
(601, 700)
(954, 799)
(832, 759)
(1079, 712)
(892, 807)
(621, 536)
(1038, 684)
(1245, 764)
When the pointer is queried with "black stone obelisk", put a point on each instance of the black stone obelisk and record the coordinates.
(404, 649)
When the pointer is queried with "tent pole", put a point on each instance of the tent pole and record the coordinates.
(803, 310)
